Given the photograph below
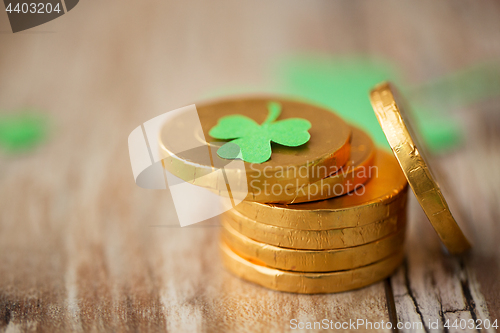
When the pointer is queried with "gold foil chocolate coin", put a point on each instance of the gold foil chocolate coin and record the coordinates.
(312, 260)
(410, 156)
(374, 201)
(306, 282)
(316, 239)
(324, 154)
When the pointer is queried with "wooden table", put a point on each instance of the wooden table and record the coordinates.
(77, 246)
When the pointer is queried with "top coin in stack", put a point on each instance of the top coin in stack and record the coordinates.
(326, 152)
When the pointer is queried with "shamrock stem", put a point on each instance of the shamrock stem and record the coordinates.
(274, 110)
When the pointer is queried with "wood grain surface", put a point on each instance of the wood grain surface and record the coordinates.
(80, 246)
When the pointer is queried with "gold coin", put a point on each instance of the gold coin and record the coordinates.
(312, 260)
(354, 173)
(316, 239)
(309, 283)
(326, 152)
(403, 142)
(374, 201)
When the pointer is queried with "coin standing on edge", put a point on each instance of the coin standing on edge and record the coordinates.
(410, 155)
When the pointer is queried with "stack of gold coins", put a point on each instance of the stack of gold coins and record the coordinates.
(327, 216)
(332, 245)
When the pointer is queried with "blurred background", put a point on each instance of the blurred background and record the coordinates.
(77, 246)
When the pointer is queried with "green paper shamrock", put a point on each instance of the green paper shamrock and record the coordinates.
(253, 141)
(22, 130)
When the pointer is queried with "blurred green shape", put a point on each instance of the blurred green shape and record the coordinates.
(343, 84)
(22, 131)
(439, 130)
(340, 83)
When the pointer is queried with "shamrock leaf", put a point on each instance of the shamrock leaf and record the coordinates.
(22, 130)
(251, 142)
